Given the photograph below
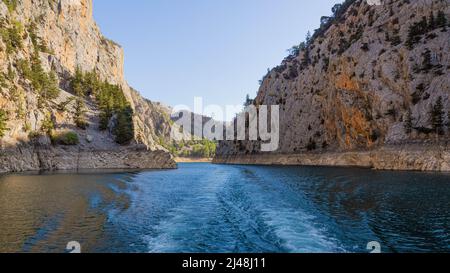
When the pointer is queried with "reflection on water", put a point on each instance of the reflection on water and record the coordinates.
(215, 208)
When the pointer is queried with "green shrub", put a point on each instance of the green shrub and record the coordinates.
(11, 4)
(66, 138)
(27, 127)
(365, 47)
(34, 135)
(392, 112)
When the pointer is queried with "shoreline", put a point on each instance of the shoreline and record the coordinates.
(433, 159)
(192, 160)
(47, 158)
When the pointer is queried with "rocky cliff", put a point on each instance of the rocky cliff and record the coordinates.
(63, 96)
(371, 77)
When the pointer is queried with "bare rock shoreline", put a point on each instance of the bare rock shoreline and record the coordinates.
(22, 159)
(193, 160)
(426, 158)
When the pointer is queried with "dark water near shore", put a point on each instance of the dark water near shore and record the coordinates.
(214, 208)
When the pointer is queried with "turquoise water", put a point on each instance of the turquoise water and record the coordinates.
(218, 208)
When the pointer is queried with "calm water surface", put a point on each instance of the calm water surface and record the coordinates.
(216, 208)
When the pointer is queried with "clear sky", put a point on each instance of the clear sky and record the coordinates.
(176, 50)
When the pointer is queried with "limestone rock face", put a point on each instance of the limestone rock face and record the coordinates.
(405, 158)
(49, 158)
(69, 39)
(354, 84)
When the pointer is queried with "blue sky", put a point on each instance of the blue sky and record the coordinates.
(176, 50)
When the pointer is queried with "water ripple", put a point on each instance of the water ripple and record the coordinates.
(214, 208)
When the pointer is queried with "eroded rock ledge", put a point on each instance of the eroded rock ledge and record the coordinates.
(26, 158)
(407, 158)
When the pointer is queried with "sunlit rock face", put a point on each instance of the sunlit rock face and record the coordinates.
(355, 84)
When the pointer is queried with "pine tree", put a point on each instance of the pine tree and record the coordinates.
(432, 22)
(413, 36)
(80, 107)
(106, 111)
(80, 110)
(437, 117)
(50, 89)
(441, 20)
(248, 101)
(3, 120)
(395, 39)
(408, 122)
(308, 38)
(124, 130)
(311, 145)
(448, 120)
(427, 62)
(416, 31)
(77, 83)
(424, 25)
(48, 125)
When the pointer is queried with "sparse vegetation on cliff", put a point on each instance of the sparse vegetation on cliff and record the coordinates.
(338, 10)
(114, 108)
(424, 26)
(37, 42)
(12, 36)
(45, 84)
